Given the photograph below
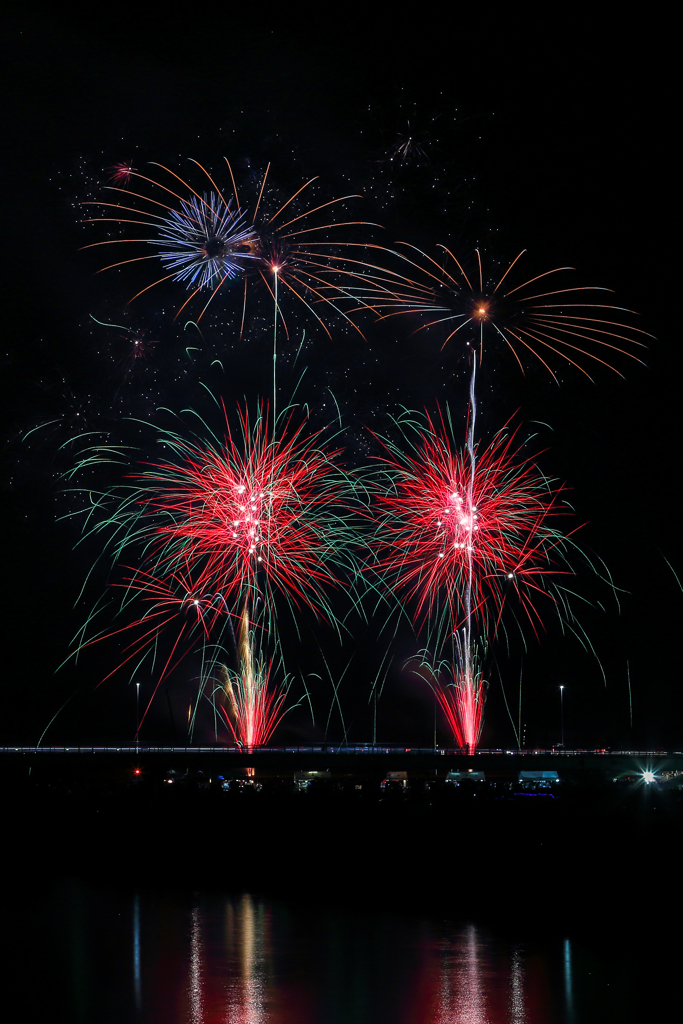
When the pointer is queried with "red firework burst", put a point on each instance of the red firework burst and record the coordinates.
(462, 702)
(448, 528)
(122, 172)
(251, 515)
(215, 532)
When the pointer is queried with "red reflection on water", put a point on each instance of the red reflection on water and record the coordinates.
(463, 979)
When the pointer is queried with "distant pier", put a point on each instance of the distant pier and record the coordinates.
(355, 759)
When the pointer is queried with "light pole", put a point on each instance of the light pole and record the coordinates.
(562, 716)
(137, 714)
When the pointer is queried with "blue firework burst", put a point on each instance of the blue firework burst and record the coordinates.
(206, 241)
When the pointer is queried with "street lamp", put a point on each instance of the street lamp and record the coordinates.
(562, 716)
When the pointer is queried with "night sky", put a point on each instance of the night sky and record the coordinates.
(549, 137)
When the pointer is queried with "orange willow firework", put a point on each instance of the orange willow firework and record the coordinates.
(543, 317)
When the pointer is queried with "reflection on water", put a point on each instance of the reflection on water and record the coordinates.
(245, 944)
(206, 958)
(195, 971)
(469, 975)
(517, 1015)
(252, 962)
(568, 982)
(464, 978)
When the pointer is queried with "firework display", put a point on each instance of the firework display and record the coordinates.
(460, 534)
(462, 702)
(442, 522)
(250, 706)
(223, 528)
(253, 515)
(207, 240)
(204, 242)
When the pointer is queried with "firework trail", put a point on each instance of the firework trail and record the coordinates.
(223, 522)
(470, 525)
(460, 690)
(251, 708)
(461, 532)
(462, 703)
(538, 318)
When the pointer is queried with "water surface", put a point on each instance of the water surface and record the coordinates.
(88, 953)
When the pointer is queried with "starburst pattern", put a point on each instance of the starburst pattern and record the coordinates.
(442, 532)
(254, 515)
(205, 242)
(225, 522)
(208, 240)
(544, 317)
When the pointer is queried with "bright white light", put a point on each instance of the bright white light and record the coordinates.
(648, 777)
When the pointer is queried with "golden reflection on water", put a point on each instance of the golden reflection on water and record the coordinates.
(245, 934)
